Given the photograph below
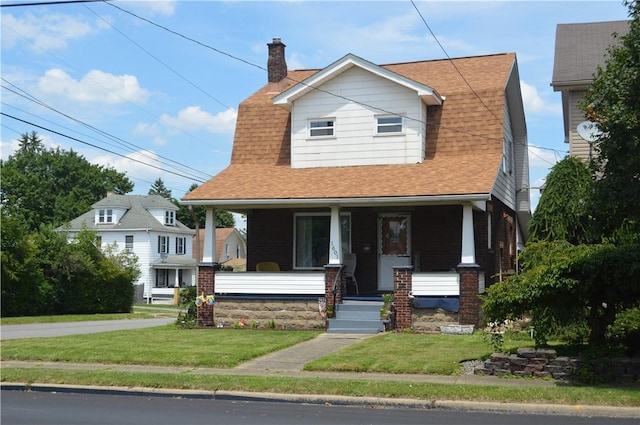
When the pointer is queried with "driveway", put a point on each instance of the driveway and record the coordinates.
(41, 330)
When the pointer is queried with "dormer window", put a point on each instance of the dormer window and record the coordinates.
(389, 124)
(322, 128)
(105, 216)
(170, 218)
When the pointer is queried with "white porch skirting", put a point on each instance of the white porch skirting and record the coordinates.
(434, 284)
(270, 283)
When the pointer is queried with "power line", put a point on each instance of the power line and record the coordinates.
(98, 147)
(158, 59)
(122, 142)
(46, 3)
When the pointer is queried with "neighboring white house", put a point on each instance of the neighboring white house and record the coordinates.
(147, 227)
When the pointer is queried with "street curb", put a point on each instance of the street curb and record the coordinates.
(373, 402)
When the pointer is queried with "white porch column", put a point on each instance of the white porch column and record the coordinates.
(468, 255)
(335, 237)
(209, 252)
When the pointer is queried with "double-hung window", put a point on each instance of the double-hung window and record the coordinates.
(105, 216)
(322, 128)
(163, 244)
(128, 242)
(170, 218)
(311, 250)
(181, 244)
(389, 124)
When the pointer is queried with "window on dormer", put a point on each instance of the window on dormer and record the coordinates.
(105, 216)
(389, 124)
(170, 218)
(322, 128)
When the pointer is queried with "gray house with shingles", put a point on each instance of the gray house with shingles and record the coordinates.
(145, 226)
(580, 49)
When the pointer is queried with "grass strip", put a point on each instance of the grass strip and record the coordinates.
(573, 395)
(159, 346)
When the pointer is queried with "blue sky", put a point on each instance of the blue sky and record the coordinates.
(160, 82)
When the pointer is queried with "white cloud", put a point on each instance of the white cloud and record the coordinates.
(194, 118)
(46, 32)
(132, 164)
(534, 103)
(95, 87)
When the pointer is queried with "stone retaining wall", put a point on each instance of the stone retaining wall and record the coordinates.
(546, 364)
(268, 313)
(429, 320)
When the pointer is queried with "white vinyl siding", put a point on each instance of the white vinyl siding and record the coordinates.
(505, 185)
(356, 140)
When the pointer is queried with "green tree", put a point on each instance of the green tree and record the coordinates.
(158, 188)
(564, 284)
(586, 270)
(186, 215)
(25, 291)
(53, 186)
(563, 212)
(613, 102)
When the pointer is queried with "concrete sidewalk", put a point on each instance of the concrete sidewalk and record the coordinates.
(290, 363)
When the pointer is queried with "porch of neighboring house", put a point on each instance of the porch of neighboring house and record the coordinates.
(167, 274)
(424, 255)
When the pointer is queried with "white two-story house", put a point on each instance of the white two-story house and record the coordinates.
(145, 226)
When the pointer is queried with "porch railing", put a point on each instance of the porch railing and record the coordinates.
(433, 284)
(270, 283)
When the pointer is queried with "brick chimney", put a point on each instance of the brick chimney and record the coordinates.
(276, 65)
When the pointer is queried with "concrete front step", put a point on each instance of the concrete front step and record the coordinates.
(357, 317)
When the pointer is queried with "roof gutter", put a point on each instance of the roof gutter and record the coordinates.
(343, 202)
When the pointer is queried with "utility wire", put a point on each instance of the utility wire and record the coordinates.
(122, 142)
(159, 60)
(47, 3)
(98, 147)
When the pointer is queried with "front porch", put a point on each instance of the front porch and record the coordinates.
(300, 300)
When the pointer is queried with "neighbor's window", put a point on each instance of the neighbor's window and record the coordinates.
(128, 242)
(170, 218)
(312, 239)
(163, 244)
(181, 244)
(105, 216)
(321, 128)
(162, 278)
(389, 124)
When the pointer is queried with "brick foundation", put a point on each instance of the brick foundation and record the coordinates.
(334, 274)
(269, 314)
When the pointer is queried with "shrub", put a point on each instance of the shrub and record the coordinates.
(624, 333)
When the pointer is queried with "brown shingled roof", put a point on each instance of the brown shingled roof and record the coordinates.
(464, 142)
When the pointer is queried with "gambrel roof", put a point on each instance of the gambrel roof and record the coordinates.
(464, 140)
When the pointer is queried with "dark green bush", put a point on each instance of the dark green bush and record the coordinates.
(624, 333)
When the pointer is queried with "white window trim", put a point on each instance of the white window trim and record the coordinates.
(166, 244)
(181, 245)
(105, 216)
(321, 136)
(315, 214)
(170, 218)
(389, 133)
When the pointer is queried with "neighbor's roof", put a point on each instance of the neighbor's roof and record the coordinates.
(581, 48)
(137, 216)
(464, 142)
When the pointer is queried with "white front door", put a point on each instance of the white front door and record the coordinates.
(394, 246)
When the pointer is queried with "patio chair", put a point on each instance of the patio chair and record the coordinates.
(267, 266)
(350, 264)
